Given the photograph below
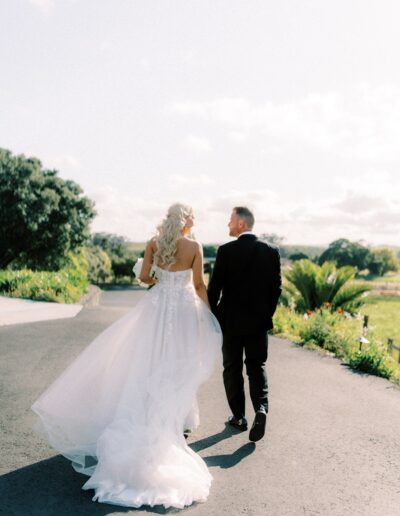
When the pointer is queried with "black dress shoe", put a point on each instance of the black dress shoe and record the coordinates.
(239, 424)
(257, 430)
(186, 433)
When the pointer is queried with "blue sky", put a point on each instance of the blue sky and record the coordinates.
(291, 108)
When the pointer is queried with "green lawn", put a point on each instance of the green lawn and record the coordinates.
(137, 246)
(384, 317)
(390, 277)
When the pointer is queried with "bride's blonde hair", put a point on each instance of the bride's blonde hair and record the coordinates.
(168, 233)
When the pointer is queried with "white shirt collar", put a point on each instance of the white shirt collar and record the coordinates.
(247, 233)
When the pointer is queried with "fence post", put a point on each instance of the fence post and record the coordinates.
(362, 339)
(390, 346)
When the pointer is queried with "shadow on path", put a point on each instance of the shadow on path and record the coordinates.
(53, 488)
(230, 459)
(226, 433)
(223, 461)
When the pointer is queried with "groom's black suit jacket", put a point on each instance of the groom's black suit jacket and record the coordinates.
(247, 273)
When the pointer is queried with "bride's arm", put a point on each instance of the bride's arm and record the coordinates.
(147, 263)
(198, 277)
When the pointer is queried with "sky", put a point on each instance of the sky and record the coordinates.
(291, 108)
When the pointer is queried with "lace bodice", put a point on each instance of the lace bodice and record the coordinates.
(173, 279)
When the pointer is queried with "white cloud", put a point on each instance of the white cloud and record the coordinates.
(356, 203)
(190, 180)
(144, 63)
(238, 136)
(128, 215)
(363, 124)
(62, 163)
(318, 222)
(45, 6)
(253, 199)
(197, 144)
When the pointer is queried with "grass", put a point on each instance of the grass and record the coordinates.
(384, 318)
(390, 277)
(137, 247)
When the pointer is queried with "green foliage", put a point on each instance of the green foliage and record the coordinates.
(372, 361)
(288, 324)
(43, 216)
(122, 257)
(383, 260)
(64, 286)
(312, 286)
(298, 256)
(210, 251)
(316, 331)
(337, 332)
(114, 245)
(311, 252)
(323, 330)
(342, 252)
(99, 265)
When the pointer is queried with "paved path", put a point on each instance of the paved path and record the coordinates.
(332, 445)
(17, 311)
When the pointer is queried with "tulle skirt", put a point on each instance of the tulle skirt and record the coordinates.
(118, 412)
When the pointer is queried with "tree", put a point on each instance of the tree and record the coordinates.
(272, 238)
(210, 251)
(114, 245)
(43, 217)
(117, 247)
(343, 252)
(383, 260)
(99, 264)
(313, 286)
(275, 240)
(298, 256)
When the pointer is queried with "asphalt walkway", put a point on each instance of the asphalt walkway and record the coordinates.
(331, 448)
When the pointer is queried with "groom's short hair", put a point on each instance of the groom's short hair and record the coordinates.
(244, 213)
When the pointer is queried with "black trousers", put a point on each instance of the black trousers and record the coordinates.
(255, 349)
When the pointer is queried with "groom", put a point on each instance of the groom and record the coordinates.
(243, 293)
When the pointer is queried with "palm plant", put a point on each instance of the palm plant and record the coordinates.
(313, 286)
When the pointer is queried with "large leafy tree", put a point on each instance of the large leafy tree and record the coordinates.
(43, 216)
(344, 252)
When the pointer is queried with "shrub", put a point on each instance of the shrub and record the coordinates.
(99, 264)
(371, 361)
(64, 286)
(312, 286)
(122, 257)
(316, 331)
(287, 323)
(329, 331)
(383, 260)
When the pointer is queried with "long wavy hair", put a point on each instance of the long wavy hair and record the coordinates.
(168, 233)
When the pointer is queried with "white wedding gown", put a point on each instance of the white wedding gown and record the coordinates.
(118, 412)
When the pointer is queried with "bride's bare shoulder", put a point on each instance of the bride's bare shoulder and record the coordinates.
(188, 243)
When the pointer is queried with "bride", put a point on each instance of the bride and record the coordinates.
(119, 411)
